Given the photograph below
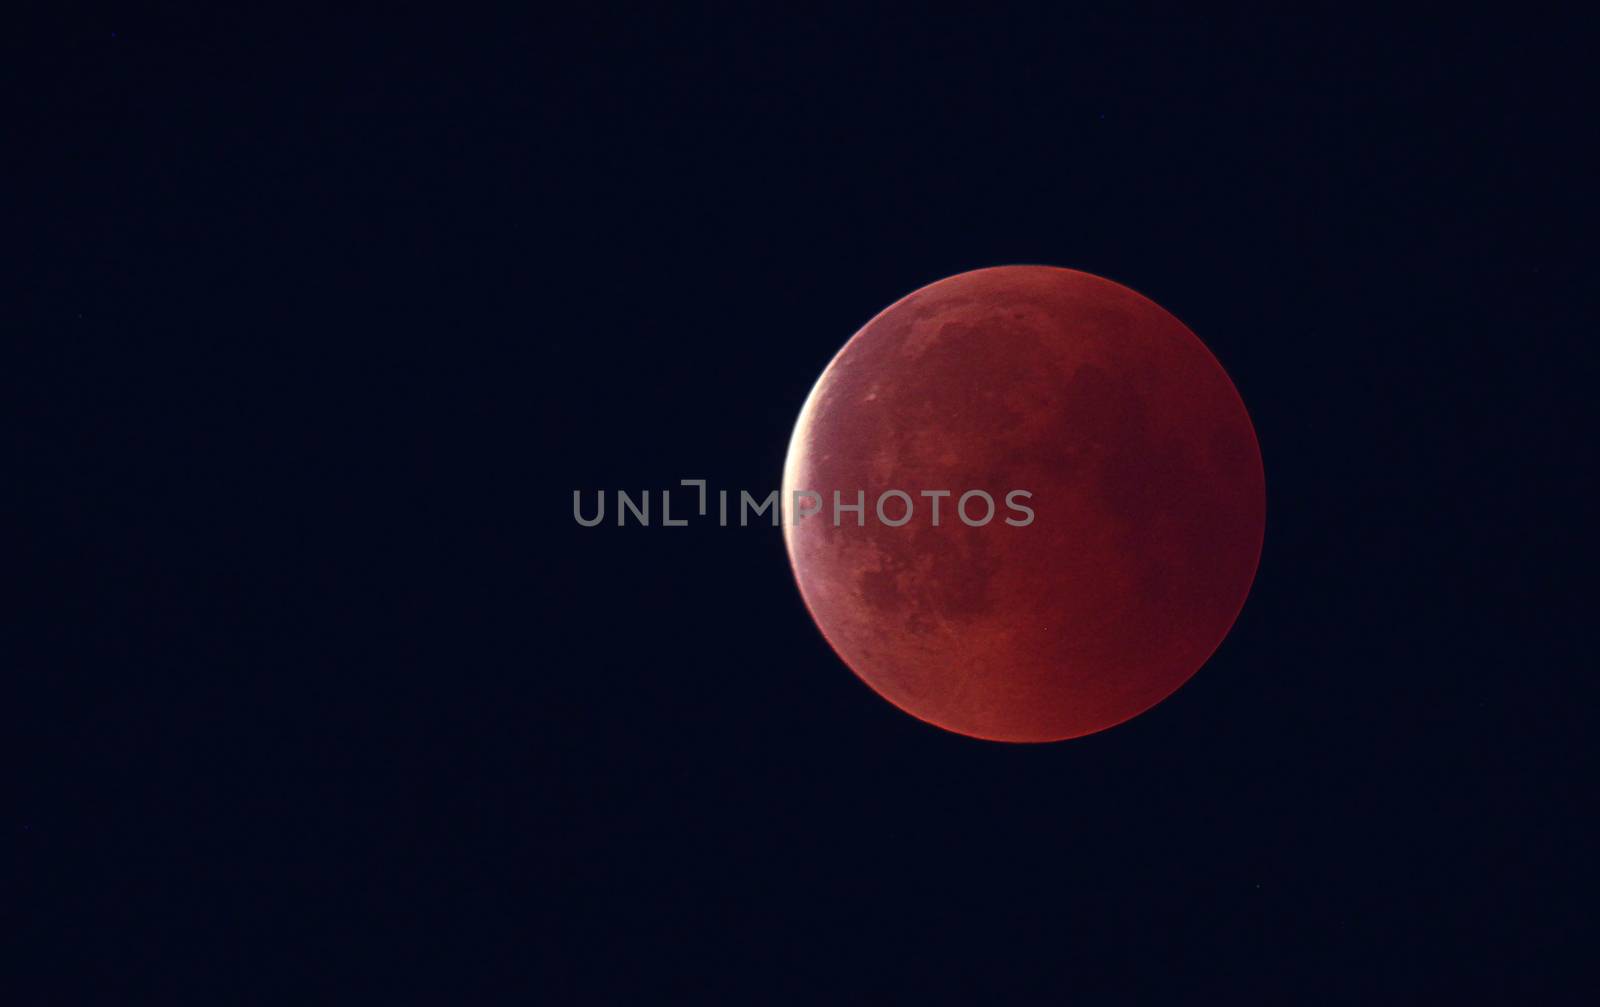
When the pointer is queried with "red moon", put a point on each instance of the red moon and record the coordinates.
(1146, 487)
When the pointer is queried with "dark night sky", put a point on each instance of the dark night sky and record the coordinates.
(321, 693)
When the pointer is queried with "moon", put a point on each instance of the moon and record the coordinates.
(1144, 483)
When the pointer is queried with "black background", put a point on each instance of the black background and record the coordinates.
(322, 694)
